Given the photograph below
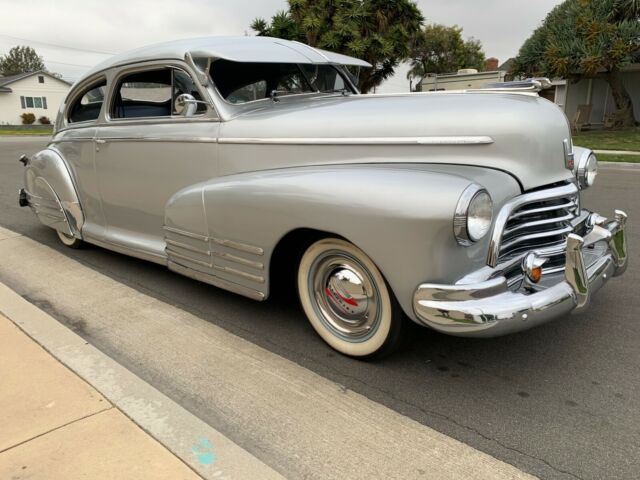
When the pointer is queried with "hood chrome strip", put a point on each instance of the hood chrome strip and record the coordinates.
(439, 140)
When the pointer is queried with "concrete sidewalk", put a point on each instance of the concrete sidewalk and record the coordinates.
(53, 425)
(266, 408)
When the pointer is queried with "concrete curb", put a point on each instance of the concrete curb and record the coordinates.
(617, 152)
(292, 419)
(31, 136)
(179, 431)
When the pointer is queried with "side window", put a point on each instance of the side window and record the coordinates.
(324, 78)
(87, 106)
(143, 94)
(152, 93)
(252, 92)
(183, 83)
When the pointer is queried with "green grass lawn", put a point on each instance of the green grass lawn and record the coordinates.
(609, 140)
(39, 130)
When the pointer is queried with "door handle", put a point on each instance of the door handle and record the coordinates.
(100, 141)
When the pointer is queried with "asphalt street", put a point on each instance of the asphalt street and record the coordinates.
(559, 401)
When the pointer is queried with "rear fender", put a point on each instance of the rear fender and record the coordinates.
(51, 193)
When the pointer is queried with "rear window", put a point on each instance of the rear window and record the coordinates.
(87, 106)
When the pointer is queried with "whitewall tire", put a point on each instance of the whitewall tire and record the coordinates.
(69, 241)
(347, 300)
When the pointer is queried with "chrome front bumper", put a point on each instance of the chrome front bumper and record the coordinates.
(491, 307)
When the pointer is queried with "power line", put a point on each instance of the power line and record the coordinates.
(69, 64)
(101, 52)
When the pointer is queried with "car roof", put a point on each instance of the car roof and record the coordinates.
(237, 49)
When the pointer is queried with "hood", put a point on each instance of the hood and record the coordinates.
(517, 133)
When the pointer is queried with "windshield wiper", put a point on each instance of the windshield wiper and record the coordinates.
(277, 93)
(344, 91)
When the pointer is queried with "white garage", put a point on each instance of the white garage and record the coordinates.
(39, 93)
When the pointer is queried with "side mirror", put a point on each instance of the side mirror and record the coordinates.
(185, 105)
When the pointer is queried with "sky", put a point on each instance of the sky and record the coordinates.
(74, 35)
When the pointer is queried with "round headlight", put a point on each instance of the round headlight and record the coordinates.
(587, 169)
(473, 216)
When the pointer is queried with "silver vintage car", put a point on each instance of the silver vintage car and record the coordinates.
(250, 162)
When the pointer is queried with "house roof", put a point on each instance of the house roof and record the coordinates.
(238, 49)
(507, 65)
(4, 81)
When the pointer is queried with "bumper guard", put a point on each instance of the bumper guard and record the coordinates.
(488, 308)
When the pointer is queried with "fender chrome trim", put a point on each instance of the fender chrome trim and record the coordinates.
(439, 140)
(216, 281)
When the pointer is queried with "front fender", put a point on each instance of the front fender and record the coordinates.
(51, 193)
(401, 216)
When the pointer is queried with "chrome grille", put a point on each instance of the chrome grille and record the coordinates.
(539, 220)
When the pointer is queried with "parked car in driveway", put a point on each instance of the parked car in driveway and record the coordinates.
(235, 160)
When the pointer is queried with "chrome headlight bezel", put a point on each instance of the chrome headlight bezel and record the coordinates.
(472, 198)
(587, 170)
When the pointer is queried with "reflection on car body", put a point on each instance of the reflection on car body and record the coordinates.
(236, 161)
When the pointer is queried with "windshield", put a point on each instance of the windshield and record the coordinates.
(240, 82)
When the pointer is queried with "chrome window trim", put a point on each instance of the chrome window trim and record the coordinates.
(505, 212)
(76, 94)
(210, 115)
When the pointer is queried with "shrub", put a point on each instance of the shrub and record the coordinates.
(44, 120)
(28, 118)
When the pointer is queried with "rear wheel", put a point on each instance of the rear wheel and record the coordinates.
(69, 241)
(347, 300)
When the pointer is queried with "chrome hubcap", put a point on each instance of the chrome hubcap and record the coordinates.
(346, 296)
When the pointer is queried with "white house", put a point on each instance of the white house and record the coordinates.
(596, 94)
(39, 93)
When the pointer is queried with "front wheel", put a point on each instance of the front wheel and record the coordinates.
(69, 240)
(347, 300)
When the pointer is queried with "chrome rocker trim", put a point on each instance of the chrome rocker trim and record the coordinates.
(489, 309)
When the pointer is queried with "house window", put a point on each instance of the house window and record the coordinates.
(40, 78)
(33, 102)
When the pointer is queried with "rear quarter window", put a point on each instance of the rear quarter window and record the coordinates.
(86, 106)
